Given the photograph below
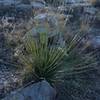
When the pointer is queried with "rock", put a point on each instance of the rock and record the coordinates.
(38, 4)
(23, 6)
(93, 42)
(14, 8)
(38, 91)
(96, 42)
(41, 17)
(9, 2)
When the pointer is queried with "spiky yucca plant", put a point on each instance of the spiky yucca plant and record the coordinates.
(45, 61)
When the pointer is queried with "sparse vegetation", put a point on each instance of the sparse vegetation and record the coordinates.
(58, 44)
(44, 61)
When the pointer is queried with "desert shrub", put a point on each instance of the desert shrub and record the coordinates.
(44, 61)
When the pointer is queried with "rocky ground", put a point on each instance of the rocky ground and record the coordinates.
(12, 30)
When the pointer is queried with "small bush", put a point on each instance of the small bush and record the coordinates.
(44, 61)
